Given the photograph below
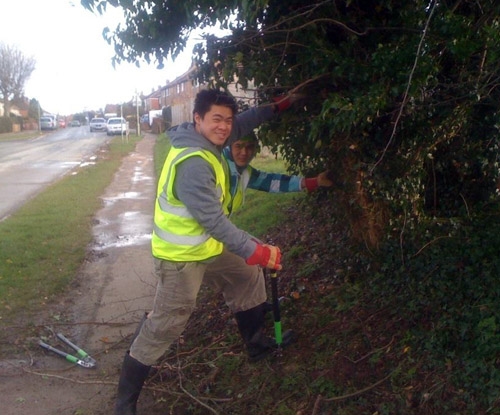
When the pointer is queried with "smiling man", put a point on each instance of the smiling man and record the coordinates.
(194, 241)
(238, 156)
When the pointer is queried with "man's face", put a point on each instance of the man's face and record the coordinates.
(243, 152)
(216, 125)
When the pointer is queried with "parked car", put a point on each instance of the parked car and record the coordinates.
(48, 123)
(75, 123)
(116, 125)
(97, 124)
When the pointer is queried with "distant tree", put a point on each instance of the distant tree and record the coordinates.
(15, 70)
(81, 116)
(34, 109)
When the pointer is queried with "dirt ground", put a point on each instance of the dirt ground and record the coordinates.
(114, 288)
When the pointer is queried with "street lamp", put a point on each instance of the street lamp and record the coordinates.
(39, 122)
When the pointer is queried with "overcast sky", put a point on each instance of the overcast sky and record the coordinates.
(73, 61)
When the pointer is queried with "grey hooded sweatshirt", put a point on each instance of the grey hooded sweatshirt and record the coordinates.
(195, 180)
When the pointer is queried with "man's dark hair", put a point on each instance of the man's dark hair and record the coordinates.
(208, 97)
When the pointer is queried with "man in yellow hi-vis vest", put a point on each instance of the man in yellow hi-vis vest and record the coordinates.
(193, 241)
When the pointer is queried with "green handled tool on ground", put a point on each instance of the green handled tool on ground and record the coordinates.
(276, 308)
(289, 336)
(83, 359)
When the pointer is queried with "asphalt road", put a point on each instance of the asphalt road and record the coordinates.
(28, 166)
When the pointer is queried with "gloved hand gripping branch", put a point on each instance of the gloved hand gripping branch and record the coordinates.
(282, 103)
(321, 180)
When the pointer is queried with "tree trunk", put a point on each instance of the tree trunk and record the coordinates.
(6, 107)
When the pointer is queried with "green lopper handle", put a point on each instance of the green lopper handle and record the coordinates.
(82, 353)
(72, 359)
(277, 333)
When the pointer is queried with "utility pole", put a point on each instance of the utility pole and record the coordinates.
(39, 123)
(121, 122)
(137, 114)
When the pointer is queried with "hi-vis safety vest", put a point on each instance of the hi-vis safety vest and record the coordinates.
(177, 236)
(238, 193)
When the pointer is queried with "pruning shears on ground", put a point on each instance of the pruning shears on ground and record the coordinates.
(83, 359)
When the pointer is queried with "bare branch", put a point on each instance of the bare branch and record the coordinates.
(408, 85)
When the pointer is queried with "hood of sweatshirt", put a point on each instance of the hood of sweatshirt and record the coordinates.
(185, 135)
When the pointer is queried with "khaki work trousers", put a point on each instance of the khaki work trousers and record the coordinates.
(243, 287)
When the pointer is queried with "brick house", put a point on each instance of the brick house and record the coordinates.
(175, 100)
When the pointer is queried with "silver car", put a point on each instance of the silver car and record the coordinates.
(48, 123)
(116, 125)
(97, 124)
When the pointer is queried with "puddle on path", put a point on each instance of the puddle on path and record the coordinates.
(125, 229)
(126, 217)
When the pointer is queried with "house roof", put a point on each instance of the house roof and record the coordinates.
(180, 79)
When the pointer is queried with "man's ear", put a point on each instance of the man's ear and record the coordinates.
(197, 118)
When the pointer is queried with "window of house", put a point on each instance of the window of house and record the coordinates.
(180, 87)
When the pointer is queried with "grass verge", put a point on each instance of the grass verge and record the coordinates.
(23, 135)
(44, 243)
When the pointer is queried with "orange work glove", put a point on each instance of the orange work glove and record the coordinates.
(267, 256)
(322, 180)
(282, 103)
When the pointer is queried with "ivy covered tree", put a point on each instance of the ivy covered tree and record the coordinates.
(401, 99)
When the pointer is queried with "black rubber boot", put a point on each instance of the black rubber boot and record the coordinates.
(132, 378)
(251, 325)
